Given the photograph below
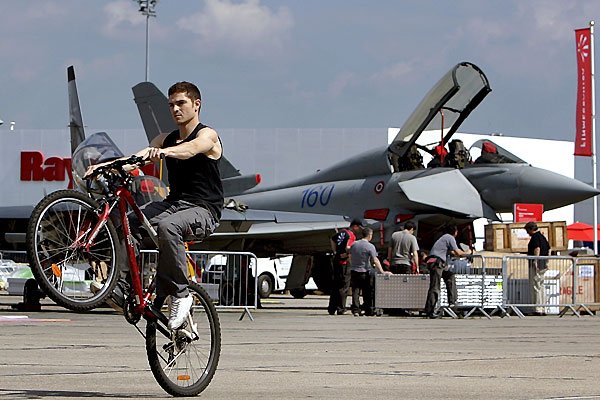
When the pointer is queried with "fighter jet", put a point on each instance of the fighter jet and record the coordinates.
(390, 185)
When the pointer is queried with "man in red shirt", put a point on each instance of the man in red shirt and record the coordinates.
(340, 245)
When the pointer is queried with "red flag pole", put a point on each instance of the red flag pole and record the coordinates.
(594, 172)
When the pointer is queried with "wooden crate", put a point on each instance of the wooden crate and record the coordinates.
(519, 239)
(496, 238)
(558, 236)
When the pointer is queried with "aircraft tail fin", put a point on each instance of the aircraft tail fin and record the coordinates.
(153, 107)
(75, 119)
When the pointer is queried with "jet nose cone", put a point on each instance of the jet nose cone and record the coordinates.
(553, 190)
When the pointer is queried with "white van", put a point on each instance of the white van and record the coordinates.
(272, 274)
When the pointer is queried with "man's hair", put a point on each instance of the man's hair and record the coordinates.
(366, 232)
(451, 229)
(189, 89)
(531, 226)
(410, 225)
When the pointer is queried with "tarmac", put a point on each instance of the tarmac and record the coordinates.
(294, 350)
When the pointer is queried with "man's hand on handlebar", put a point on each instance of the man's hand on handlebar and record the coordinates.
(90, 170)
(154, 154)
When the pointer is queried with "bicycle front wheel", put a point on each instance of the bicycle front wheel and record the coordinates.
(75, 277)
(184, 365)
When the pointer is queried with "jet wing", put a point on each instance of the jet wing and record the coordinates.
(266, 222)
(448, 190)
(267, 232)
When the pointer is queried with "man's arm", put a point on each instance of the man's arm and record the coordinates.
(460, 253)
(378, 266)
(416, 260)
(456, 251)
(536, 253)
(206, 142)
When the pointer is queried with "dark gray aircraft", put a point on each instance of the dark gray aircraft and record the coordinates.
(390, 185)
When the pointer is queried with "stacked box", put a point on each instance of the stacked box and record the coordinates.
(410, 291)
(558, 238)
(513, 238)
(496, 238)
(469, 290)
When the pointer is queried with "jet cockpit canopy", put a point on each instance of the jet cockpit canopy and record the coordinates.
(485, 151)
(97, 148)
(444, 107)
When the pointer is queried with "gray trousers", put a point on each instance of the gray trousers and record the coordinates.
(176, 222)
(437, 272)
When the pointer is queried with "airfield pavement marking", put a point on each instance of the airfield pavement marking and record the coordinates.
(24, 319)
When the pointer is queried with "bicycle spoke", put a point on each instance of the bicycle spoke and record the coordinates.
(188, 370)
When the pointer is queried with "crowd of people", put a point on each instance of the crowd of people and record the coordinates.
(356, 263)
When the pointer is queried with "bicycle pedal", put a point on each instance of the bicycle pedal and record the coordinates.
(183, 332)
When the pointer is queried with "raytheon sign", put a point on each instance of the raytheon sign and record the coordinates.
(35, 167)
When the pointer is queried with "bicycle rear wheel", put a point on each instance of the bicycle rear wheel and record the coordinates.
(63, 268)
(181, 365)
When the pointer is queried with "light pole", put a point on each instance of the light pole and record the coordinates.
(147, 9)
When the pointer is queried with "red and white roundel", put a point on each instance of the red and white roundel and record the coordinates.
(379, 186)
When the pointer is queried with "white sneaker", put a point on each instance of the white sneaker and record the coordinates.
(178, 310)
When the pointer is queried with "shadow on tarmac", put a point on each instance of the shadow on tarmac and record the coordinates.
(42, 394)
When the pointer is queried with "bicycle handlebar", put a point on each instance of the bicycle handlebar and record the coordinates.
(118, 166)
(112, 175)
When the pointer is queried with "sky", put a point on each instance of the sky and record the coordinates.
(301, 64)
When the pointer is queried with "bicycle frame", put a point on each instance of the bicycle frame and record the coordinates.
(124, 199)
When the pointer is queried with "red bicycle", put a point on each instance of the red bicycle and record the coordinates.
(71, 243)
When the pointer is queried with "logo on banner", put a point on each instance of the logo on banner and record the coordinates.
(583, 47)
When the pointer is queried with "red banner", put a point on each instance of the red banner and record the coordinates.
(527, 212)
(583, 117)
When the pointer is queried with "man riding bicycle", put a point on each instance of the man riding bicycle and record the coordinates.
(193, 206)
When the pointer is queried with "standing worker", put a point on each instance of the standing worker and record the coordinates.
(538, 246)
(363, 257)
(437, 262)
(403, 252)
(340, 245)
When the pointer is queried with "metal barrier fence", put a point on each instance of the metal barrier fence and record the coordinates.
(14, 270)
(229, 278)
(548, 285)
(520, 285)
(18, 256)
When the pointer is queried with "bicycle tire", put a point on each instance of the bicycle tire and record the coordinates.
(64, 271)
(197, 360)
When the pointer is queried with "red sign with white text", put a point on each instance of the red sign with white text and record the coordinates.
(528, 212)
(583, 115)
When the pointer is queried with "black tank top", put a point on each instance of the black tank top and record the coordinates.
(197, 179)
